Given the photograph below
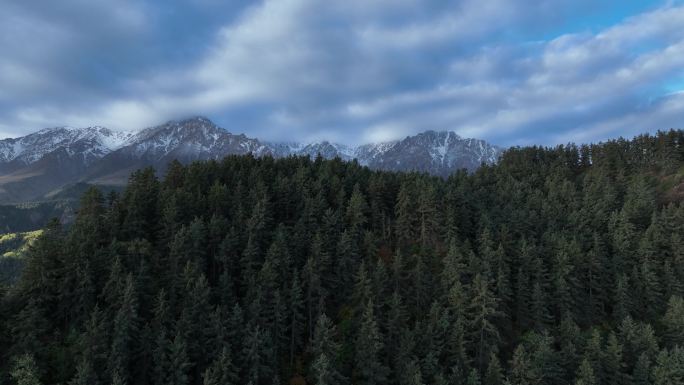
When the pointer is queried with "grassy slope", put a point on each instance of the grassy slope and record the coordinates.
(13, 247)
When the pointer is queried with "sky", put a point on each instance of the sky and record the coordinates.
(513, 72)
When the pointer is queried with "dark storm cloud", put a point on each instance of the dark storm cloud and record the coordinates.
(513, 72)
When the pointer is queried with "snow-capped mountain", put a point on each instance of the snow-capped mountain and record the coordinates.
(438, 153)
(89, 144)
(36, 164)
(196, 138)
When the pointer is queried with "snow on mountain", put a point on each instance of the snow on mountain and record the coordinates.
(368, 153)
(38, 163)
(91, 143)
(196, 138)
(438, 153)
(327, 150)
(199, 138)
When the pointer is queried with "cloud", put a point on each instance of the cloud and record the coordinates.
(349, 71)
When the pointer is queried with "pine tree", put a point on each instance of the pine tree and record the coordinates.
(593, 355)
(194, 317)
(483, 312)
(161, 358)
(473, 378)
(296, 318)
(421, 283)
(541, 317)
(124, 333)
(161, 346)
(673, 322)
(569, 340)
(322, 374)
(324, 349)
(93, 347)
(28, 328)
(651, 291)
(669, 367)
(24, 371)
(348, 256)
(405, 209)
(427, 214)
(141, 204)
(369, 346)
(642, 370)
(222, 371)
(594, 278)
(257, 353)
(544, 359)
(494, 374)
(356, 212)
(313, 293)
(454, 267)
(522, 372)
(623, 300)
(585, 374)
(612, 362)
(412, 374)
(563, 284)
(395, 323)
(178, 362)
(85, 373)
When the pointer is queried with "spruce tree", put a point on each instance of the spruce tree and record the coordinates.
(483, 312)
(24, 371)
(673, 322)
(222, 371)
(585, 374)
(124, 336)
(369, 345)
(178, 362)
(613, 362)
(325, 350)
(494, 375)
(85, 373)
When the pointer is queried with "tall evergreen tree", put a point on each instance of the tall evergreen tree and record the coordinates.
(24, 371)
(483, 311)
(324, 349)
(368, 365)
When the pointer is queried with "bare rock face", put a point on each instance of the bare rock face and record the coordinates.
(37, 164)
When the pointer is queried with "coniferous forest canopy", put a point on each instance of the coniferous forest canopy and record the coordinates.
(557, 266)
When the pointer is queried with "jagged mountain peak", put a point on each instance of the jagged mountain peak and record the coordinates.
(327, 150)
(188, 139)
(89, 142)
(196, 126)
(100, 155)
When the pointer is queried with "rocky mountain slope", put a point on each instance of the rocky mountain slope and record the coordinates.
(41, 163)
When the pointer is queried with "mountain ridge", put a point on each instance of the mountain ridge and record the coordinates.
(38, 163)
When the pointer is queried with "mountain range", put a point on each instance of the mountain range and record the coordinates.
(43, 164)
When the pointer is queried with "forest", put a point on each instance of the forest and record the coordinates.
(560, 265)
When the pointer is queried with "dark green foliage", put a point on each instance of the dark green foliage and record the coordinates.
(368, 367)
(325, 351)
(24, 371)
(557, 266)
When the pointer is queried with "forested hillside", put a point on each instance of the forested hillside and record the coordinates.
(13, 247)
(31, 216)
(557, 266)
